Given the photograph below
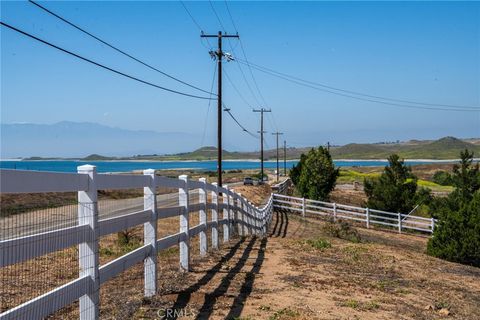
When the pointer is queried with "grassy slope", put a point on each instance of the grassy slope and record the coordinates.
(349, 176)
(445, 148)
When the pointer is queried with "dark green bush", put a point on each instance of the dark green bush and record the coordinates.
(457, 235)
(396, 188)
(443, 178)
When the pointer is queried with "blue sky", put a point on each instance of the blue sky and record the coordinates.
(422, 51)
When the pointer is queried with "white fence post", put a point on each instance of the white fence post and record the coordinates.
(215, 217)
(150, 235)
(432, 224)
(334, 212)
(250, 218)
(202, 199)
(226, 215)
(88, 251)
(246, 217)
(240, 221)
(231, 213)
(367, 213)
(184, 245)
(304, 207)
(399, 222)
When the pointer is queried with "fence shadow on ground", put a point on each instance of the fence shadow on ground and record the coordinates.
(254, 248)
(280, 227)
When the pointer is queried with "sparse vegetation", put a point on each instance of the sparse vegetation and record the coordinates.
(319, 243)
(341, 230)
(285, 313)
(363, 306)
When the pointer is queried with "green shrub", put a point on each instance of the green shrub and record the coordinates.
(443, 178)
(457, 234)
(319, 243)
(342, 230)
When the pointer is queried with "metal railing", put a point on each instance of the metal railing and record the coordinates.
(371, 217)
(239, 216)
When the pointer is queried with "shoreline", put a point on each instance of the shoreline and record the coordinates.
(235, 160)
(230, 160)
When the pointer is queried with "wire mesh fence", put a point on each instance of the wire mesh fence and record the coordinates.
(65, 254)
(29, 278)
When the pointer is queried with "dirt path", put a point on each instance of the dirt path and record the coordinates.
(385, 276)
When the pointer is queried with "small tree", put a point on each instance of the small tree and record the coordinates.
(396, 189)
(466, 176)
(443, 178)
(297, 169)
(317, 175)
(457, 235)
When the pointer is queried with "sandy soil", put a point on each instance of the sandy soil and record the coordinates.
(385, 276)
(282, 276)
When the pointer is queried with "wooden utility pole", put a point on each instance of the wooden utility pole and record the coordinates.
(262, 110)
(219, 56)
(278, 168)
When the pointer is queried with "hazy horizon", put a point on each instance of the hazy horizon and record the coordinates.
(68, 139)
(426, 52)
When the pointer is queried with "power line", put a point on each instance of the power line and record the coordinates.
(216, 15)
(228, 110)
(358, 93)
(117, 49)
(101, 65)
(246, 59)
(315, 85)
(191, 16)
(469, 109)
(236, 90)
(208, 109)
(197, 24)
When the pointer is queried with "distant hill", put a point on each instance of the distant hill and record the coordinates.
(45, 142)
(444, 148)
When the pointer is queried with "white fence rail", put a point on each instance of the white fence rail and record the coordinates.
(371, 217)
(238, 215)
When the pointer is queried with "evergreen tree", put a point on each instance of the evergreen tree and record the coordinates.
(396, 189)
(317, 175)
(457, 234)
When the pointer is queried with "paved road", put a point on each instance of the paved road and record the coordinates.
(66, 216)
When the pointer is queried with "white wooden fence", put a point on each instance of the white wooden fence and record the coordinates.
(239, 216)
(371, 217)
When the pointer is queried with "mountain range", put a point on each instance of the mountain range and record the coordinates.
(91, 141)
(79, 139)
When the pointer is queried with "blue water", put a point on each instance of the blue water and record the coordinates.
(125, 166)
